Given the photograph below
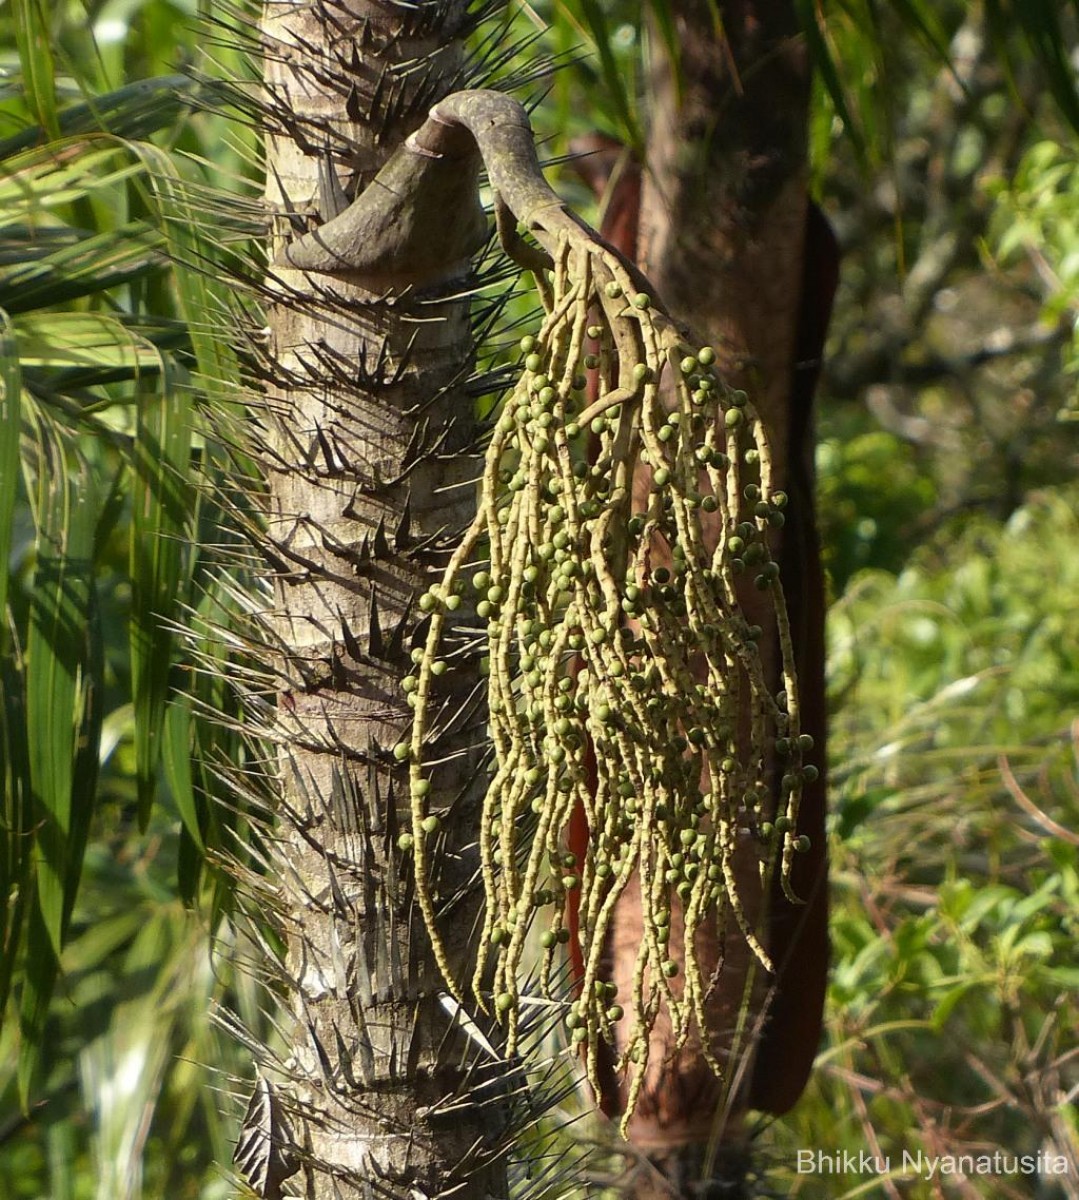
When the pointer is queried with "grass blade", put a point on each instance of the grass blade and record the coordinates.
(59, 678)
(10, 424)
(163, 498)
(133, 111)
(35, 58)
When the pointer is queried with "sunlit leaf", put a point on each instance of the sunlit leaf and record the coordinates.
(83, 341)
(36, 60)
(78, 265)
(10, 425)
(134, 111)
(39, 181)
(162, 507)
(58, 659)
(591, 18)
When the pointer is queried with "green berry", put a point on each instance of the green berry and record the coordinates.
(642, 301)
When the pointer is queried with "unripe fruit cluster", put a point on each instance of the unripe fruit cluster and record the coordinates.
(625, 681)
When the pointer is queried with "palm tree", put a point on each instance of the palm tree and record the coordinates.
(367, 486)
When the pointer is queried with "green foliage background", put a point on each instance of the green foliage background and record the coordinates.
(949, 509)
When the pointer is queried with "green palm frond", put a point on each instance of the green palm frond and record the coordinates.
(129, 1037)
(1043, 25)
(99, 368)
(38, 64)
(860, 51)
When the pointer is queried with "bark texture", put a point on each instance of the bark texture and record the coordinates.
(367, 448)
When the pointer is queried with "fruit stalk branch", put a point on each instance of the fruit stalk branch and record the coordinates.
(419, 221)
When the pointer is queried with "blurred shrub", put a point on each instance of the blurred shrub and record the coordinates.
(953, 1014)
(1037, 219)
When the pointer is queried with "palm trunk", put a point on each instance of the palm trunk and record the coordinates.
(365, 445)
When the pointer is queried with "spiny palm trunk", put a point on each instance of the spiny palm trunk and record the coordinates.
(722, 236)
(365, 446)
